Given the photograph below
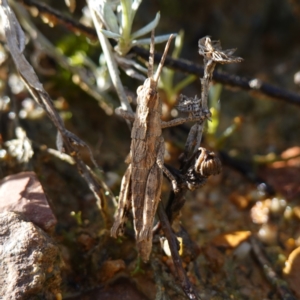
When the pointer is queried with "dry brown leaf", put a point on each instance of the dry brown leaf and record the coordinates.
(292, 271)
(296, 211)
(239, 200)
(292, 160)
(231, 240)
(110, 267)
(284, 175)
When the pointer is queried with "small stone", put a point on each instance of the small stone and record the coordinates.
(268, 233)
(109, 268)
(23, 193)
(86, 241)
(242, 250)
(30, 263)
(239, 200)
(260, 211)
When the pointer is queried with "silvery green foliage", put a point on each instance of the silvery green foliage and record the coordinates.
(118, 19)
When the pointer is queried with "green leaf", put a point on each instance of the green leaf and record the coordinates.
(146, 29)
(104, 11)
(157, 40)
(126, 20)
(134, 7)
(111, 35)
(109, 17)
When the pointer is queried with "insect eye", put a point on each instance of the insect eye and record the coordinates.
(139, 89)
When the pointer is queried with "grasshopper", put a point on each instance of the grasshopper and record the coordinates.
(142, 181)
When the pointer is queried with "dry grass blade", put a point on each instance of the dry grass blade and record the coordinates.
(182, 276)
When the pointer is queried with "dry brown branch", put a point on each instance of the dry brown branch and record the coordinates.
(280, 285)
(182, 277)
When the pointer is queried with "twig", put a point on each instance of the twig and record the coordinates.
(70, 23)
(280, 285)
(70, 160)
(260, 88)
(184, 281)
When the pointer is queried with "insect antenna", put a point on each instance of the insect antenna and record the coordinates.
(161, 64)
(151, 56)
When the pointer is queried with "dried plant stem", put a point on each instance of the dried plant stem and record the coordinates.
(280, 285)
(212, 54)
(182, 277)
(195, 135)
(209, 67)
(106, 192)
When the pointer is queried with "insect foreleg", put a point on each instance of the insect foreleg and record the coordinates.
(152, 198)
(124, 204)
(179, 121)
(160, 163)
(125, 114)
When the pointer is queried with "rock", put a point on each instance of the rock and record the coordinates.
(109, 268)
(29, 267)
(23, 193)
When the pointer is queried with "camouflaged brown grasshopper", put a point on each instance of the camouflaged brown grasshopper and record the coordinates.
(142, 181)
